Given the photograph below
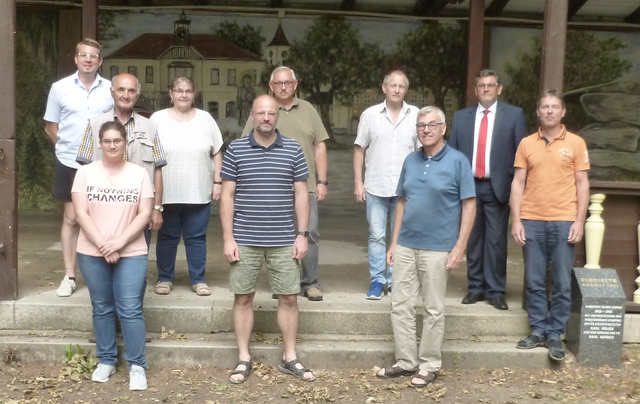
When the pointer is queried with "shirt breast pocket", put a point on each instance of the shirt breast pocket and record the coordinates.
(146, 150)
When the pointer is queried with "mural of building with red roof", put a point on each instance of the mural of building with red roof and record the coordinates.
(216, 66)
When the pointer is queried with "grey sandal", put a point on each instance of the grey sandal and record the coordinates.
(245, 373)
(290, 368)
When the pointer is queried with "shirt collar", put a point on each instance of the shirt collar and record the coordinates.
(562, 134)
(279, 141)
(438, 156)
(405, 107)
(96, 82)
(296, 102)
(133, 116)
(491, 109)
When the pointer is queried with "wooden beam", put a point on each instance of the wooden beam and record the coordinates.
(574, 7)
(553, 44)
(348, 5)
(634, 17)
(475, 43)
(90, 19)
(429, 7)
(275, 3)
(8, 161)
(496, 7)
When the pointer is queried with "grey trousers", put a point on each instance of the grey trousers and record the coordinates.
(419, 277)
(310, 276)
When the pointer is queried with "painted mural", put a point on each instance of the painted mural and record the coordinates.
(340, 63)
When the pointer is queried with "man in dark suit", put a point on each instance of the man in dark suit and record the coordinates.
(488, 134)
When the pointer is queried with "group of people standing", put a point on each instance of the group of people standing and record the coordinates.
(122, 176)
(444, 197)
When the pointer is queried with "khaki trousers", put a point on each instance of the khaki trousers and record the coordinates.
(419, 277)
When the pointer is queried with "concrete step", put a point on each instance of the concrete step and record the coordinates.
(338, 314)
(317, 352)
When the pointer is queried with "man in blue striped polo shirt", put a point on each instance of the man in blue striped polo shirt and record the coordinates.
(261, 174)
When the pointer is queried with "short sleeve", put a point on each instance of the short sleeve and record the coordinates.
(400, 187)
(80, 182)
(216, 136)
(581, 158)
(320, 133)
(53, 112)
(300, 169)
(521, 157)
(146, 190)
(467, 185)
(229, 170)
(362, 138)
(85, 152)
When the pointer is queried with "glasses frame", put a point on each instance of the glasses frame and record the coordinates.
(431, 126)
(490, 86)
(286, 84)
(89, 55)
(115, 142)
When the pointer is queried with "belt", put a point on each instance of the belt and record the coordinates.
(482, 179)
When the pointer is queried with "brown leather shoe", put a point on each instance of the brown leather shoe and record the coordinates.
(313, 294)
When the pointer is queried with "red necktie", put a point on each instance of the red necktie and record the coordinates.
(482, 145)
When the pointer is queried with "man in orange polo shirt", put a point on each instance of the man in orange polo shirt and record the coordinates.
(548, 219)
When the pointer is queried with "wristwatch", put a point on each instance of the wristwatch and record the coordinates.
(303, 233)
(325, 183)
(159, 208)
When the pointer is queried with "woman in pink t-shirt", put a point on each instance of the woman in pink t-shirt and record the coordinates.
(113, 200)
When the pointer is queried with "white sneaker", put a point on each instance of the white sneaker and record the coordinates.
(102, 373)
(67, 286)
(137, 378)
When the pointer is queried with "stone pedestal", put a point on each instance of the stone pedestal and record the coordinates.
(596, 323)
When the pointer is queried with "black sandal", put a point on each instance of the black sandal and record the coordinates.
(391, 372)
(290, 368)
(245, 373)
(534, 340)
(428, 378)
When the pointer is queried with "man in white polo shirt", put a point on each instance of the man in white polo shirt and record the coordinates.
(388, 134)
(72, 101)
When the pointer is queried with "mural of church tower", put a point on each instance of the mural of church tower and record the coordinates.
(277, 51)
(181, 30)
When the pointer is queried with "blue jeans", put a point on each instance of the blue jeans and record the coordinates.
(378, 209)
(189, 221)
(117, 288)
(547, 246)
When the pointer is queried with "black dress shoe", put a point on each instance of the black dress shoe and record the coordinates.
(472, 298)
(499, 303)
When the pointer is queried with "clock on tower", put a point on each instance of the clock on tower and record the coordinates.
(181, 30)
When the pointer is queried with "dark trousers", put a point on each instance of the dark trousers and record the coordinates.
(487, 246)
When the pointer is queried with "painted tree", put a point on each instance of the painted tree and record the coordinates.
(434, 58)
(332, 63)
(588, 61)
(247, 36)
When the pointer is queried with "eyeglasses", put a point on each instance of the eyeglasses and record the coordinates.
(263, 113)
(115, 142)
(278, 84)
(183, 92)
(489, 86)
(88, 55)
(431, 126)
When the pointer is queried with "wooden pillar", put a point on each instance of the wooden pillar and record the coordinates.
(90, 19)
(553, 44)
(8, 181)
(475, 45)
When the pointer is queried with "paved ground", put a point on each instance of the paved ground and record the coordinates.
(343, 253)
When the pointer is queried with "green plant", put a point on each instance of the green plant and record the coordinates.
(79, 363)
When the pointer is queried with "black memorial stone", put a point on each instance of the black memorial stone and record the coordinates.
(596, 323)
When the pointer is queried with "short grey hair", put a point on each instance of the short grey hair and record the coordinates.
(430, 109)
(138, 85)
(388, 77)
(486, 73)
(279, 68)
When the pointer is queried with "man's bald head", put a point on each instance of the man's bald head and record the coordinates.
(126, 77)
(264, 115)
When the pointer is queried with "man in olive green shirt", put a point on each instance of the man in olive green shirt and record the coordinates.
(300, 121)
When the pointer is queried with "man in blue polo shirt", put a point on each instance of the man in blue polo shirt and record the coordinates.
(72, 102)
(436, 208)
(260, 175)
